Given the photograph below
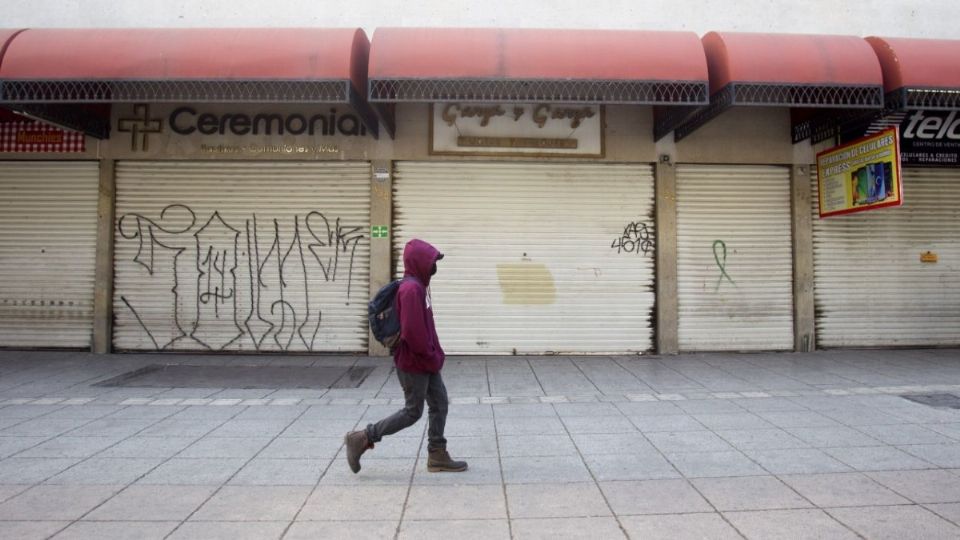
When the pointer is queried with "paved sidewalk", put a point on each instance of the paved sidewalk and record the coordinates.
(816, 445)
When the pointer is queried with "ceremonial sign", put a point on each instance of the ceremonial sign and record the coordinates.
(861, 175)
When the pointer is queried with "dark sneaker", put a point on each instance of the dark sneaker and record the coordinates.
(356, 443)
(440, 461)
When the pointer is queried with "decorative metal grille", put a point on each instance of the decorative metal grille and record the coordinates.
(930, 98)
(666, 119)
(251, 91)
(719, 102)
(782, 95)
(793, 95)
(567, 91)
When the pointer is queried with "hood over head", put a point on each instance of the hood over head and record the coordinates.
(418, 259)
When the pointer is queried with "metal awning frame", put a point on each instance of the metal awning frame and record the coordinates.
(770, 95)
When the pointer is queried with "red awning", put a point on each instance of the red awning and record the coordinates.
(277, 64)
(606, 66)
(44, 70)
(794, 70)
(924, 72)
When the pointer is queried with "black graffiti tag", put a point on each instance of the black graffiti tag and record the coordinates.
(636, 238)
(277, 303)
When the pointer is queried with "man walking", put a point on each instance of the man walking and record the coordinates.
(419, 359)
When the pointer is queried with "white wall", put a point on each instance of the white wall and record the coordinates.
(913, 18)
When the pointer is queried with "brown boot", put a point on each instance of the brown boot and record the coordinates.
(356, 443)
(440, 461)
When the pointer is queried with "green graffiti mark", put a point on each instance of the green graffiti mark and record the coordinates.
(721, 260)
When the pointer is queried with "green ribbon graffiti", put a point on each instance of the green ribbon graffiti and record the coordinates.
(721, 264)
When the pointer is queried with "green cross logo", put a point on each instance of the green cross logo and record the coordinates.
(378, 231)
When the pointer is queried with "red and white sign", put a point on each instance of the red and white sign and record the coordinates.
(38, 137)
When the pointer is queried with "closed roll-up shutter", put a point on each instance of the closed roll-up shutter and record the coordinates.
(48, 246)
(242, 256)
(734, 258)
(540, 258)
(871, 287)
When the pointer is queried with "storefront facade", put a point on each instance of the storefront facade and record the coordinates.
(583, 207)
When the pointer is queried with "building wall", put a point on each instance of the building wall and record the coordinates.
(908, 18)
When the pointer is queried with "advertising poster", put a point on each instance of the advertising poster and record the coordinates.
(863, 174)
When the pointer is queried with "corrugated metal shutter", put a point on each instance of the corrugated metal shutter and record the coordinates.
(871, 289)
(48, 245)
(734, 258)
(242, 256)
(540, 258)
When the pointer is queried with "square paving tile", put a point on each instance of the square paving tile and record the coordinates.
(106, 471)
(788, 525)
(226, 447)
(877, 458)
(688, 441)
(32, 530)
(394, 471)
(896, 522)
(346, 503)
(479, 471)
(544, 470)
(280, 472)
(181, 427)
(646, 466)
(466, 447)
(714, 464)
(673, 422)
(932, 486)
(475, 427)
(832, 437)
(17, 470)
(599, 424)
(253, 503)
(523, 410)
(11, 445)
(148, 503)
(679, 527)
(530, 426)
(556, 500)
(456, 502)
(312, 530)
(795, 419)
(614, 443)
(229, 530)
(650, 408)
(566, 528)
(842, 489)
(536, 445)
(709, 406)
(148, 447)
(797, 461)
(114, 530)
(749, 493)
(905, 434)
(741, 420)
(55, 503)
(193, 472)
(761, 439)
(950, 511)
(70, 447)
(568, 410)
(941, 455)
(653, 497)
(304, 447)
(461, 530)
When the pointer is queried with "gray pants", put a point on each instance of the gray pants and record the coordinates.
(417, 388)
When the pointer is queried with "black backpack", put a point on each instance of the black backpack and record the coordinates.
(383, 315)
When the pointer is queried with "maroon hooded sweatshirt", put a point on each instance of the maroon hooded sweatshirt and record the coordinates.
(419, 350)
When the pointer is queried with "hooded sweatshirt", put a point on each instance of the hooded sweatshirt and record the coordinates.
(419, 350)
